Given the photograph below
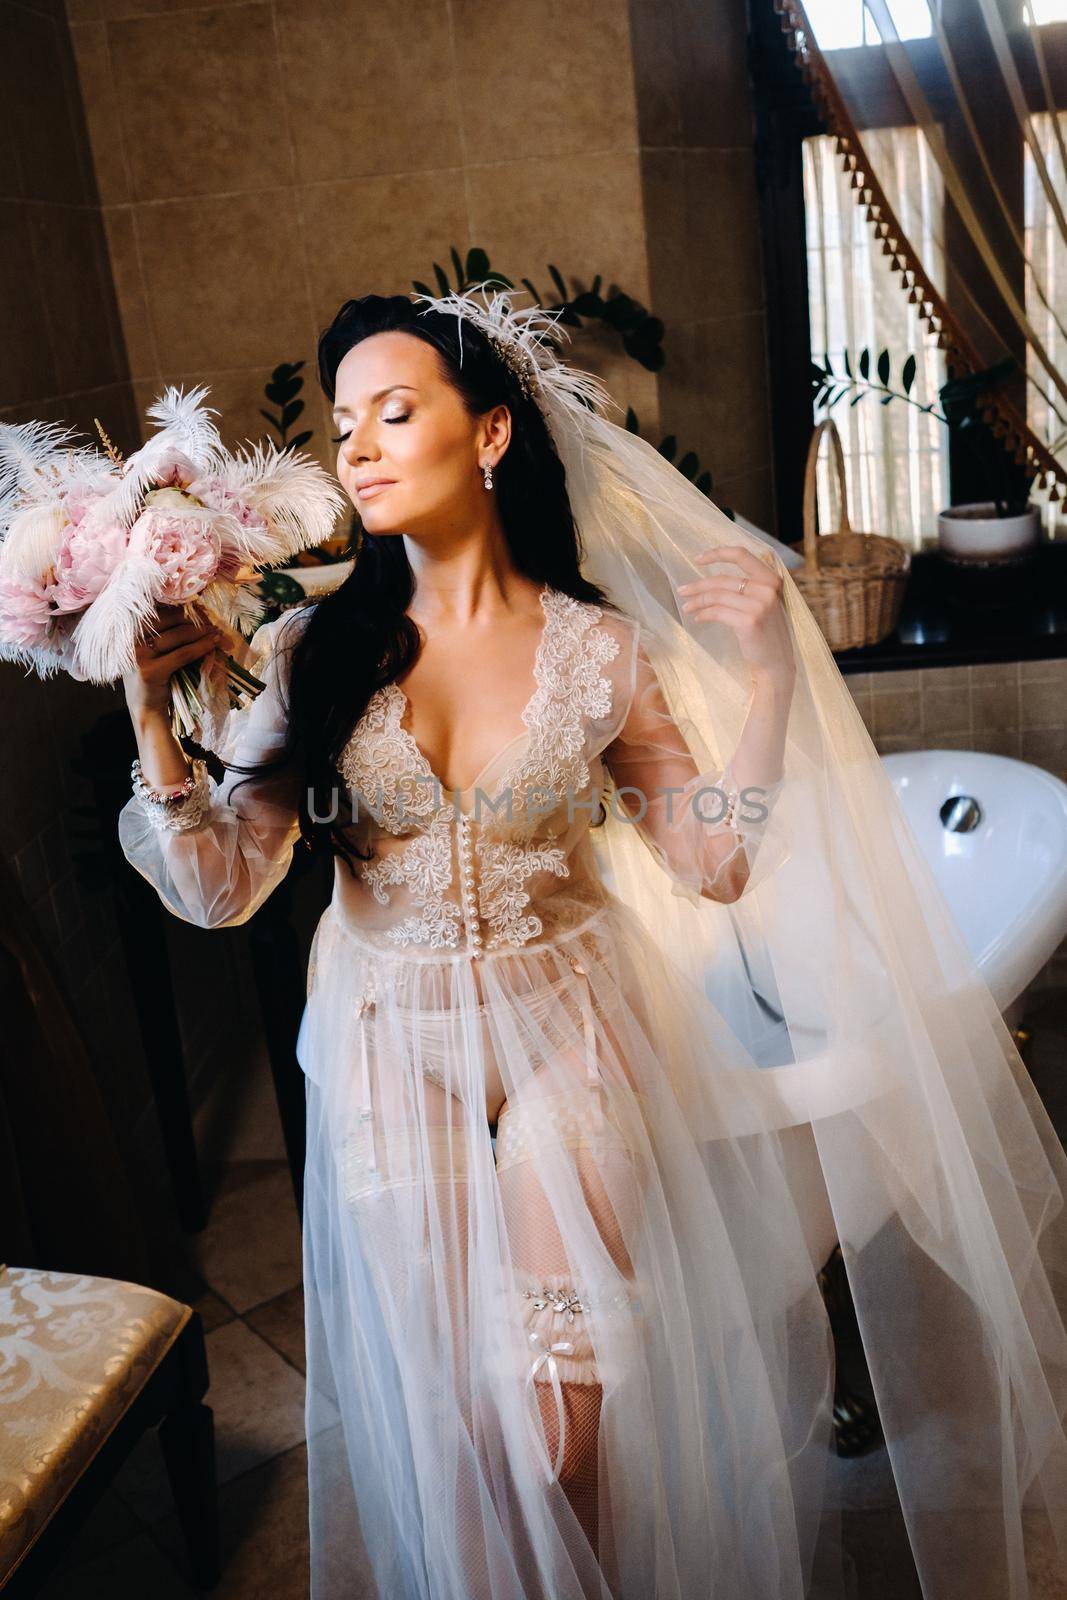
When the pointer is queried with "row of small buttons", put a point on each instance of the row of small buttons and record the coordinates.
(466, 883)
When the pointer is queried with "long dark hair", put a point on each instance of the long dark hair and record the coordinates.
(358, 638)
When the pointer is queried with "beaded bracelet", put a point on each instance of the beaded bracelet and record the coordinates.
(177, 809)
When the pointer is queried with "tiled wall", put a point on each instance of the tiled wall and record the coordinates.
(1013, 708)
(325, 149)
(703, 240)
(64, 360)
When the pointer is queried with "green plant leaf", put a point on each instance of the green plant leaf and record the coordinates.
(291, 412)
(458, 266)
(689, 465)
(443, 285)
(299, 441)
(907, 374)
(275, 422)
(561, 287)
(865, 363)
(703, 483)
(477, 265)
(884, 368)
(668, 446)
(848, 369)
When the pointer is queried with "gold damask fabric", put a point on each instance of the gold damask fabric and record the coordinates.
(75, 1351)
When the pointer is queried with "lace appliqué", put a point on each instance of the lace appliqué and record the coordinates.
(570, 689)
(502, 897)
(424, 867)
(387, 771)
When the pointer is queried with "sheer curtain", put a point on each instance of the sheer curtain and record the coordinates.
(896, 456)
(1046, 263)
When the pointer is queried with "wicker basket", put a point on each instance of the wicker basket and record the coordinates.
(853, 582)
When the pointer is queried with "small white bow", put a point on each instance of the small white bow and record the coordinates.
(548, 1353)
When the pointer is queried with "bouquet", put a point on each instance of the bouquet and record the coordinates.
(90, 544)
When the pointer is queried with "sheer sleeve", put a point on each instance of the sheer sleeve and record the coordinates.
(705, 829)
(215, 856)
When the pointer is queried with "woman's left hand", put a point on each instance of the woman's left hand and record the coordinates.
(755, 612)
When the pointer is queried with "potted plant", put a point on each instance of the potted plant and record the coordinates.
(1002, 529)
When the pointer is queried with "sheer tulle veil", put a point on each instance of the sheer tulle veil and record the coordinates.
(864, 1058)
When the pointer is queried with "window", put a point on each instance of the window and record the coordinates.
(896, 457)
(1046, 409)
(845, 24)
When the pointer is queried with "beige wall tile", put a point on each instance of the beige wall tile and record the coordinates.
(583, 213)
(568, 92)
(103, 122)
(70, 262)
(898, 712)
(699, 269)
(375, 235)
(225, 280)
(669, 272)
(944, 677)
(125, 262)
(1045, 747)
(946, 710)
(1043, 704)
(996, 741)
(896, 743)
(732, 436)
(29, 371)
(366, 97)
(995, 705)
(655, 65)
(119, 10)
(712, 53)
(217, 129)
(1037, 671)
(992, 672)
(894, 682)
(34, 83)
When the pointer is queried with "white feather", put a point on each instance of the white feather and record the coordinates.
(533, 329)
(300, 502)
(32, 542)
(108, 632)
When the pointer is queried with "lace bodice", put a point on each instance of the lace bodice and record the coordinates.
(498, 865)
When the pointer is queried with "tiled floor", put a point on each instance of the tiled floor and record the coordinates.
(245, 1281)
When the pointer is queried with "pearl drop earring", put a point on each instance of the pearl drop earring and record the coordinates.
(487, 469)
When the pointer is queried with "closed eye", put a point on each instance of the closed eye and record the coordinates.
(341, 437)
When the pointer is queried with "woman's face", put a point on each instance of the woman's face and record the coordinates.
(398, 419)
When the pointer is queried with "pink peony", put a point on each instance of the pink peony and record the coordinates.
(25, 615)
(174, 532)
(223, 499)
(85, 563)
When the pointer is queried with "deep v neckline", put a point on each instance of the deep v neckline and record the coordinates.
(404, 708)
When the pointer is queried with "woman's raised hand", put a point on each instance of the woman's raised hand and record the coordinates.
(750, 604)
(172, 642)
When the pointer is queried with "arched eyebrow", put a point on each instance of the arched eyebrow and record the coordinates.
(381, 394)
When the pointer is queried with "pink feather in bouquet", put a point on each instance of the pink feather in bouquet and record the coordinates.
(91, 544)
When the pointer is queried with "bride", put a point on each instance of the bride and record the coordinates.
(618, 872)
